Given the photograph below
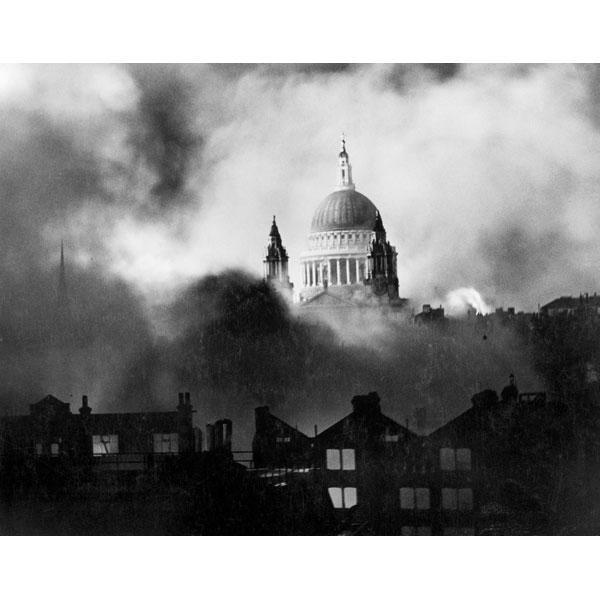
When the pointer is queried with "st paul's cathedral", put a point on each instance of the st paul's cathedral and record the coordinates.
(348, 261)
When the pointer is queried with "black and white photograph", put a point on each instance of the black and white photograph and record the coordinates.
(283, 287)
(300, 299)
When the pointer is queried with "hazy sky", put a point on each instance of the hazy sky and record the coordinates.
(486, 176)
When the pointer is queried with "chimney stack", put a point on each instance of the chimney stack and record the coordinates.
(85, 409)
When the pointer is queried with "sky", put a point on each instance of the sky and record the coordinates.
(485, 175)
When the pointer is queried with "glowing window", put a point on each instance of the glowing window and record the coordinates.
(343, 497)
(105, 444)
(166, 443)
(391, 438)
(348, 463)
(335, 493)
(284, 440)
(341, 459)
(54, 449)
(465, 499)
(349, 497)
(333, 460)
(463, 459)
(38, 449)
(449, 499)
(447, 459)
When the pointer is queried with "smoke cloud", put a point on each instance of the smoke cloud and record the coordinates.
(159, 176)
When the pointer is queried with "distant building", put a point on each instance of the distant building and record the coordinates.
(430, 315)
(568, 305)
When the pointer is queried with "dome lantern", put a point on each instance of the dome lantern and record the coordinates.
(344, 180)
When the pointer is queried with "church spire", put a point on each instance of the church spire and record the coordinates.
(344, 180)
(62, 278)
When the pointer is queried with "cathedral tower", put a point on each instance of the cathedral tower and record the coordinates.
(276, 264)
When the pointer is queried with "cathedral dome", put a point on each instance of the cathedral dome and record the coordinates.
(344, 209)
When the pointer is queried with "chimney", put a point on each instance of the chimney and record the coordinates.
(261, 417)
(187, 399)
(366, 405)
(228, 433)
(218, 431)
(210, 437)
(180, 400)
(85, 409)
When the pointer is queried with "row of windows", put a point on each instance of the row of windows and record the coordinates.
(163, 443)
(410, 498)
(452, 499)
(458, 459)
(323, 239)
(451, 459)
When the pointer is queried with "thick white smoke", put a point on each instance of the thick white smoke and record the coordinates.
(465, 299)
(485, 178)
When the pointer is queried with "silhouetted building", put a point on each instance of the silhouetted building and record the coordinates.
(52, 444)
(430, 315)
(568, 305)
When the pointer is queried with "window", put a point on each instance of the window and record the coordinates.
(333, 460)
(166, 443)
(39, 449)
(341, 459)
(465, 499)
(105, 444)
(463, 459)
(284, 440)
(54, 449)
(391, 438)
(449, 499)
(343, 497)
(407, 498)
(461, 499)
(455, 460)
(411, 498)
(348, 463)
(447, 459)
(422, 530)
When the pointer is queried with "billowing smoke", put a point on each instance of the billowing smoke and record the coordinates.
(463, 300)
(159, 176)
